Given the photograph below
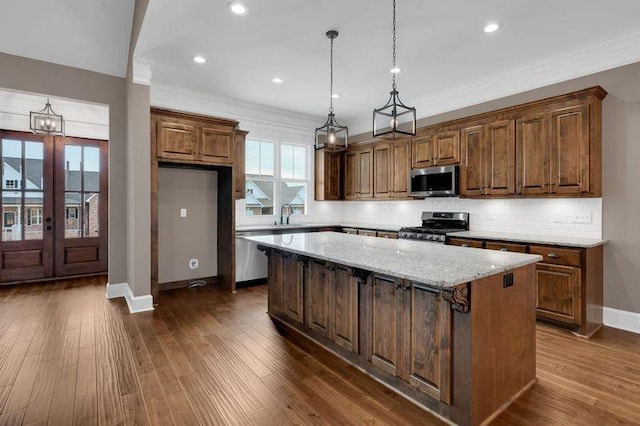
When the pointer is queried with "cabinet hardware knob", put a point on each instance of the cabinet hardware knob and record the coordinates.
(553, 255)
(504, 249)
(397, 286)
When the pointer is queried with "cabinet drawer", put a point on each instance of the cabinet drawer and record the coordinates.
(463, 242)
(367, 232)
(517, 248)
(557, 256)
(385, 234)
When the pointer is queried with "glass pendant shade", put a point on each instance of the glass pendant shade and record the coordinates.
(394, 119)
(46, 122)
(332, 136)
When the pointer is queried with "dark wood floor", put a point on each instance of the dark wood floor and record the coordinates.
(68, 356)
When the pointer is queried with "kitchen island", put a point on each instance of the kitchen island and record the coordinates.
(451, 328)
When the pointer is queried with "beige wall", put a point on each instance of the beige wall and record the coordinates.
(193, 237)
(17, 73)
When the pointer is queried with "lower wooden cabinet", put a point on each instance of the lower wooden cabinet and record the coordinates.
(292, 287)
(558, 293)
(343, 308)
(568, 280)
(386, 324)
(317, 297)
(275, 282)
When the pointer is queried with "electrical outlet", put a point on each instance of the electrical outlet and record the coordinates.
(583, 217)
(183, 212)
(193, 264)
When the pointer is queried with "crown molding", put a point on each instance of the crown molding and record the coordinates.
(602, 55)
(163, 96)
(142, 70)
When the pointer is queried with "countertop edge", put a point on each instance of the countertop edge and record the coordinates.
(529, 239)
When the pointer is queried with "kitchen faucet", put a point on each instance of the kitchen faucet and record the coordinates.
(289, 211)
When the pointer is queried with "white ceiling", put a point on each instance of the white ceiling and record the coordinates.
(441, 46)
(87, 34)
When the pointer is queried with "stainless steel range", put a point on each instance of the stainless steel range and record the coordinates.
(435, 226)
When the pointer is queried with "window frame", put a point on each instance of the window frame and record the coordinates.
(34, 219)
(277, 177)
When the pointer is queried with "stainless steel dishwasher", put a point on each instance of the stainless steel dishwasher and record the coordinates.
(251, 264)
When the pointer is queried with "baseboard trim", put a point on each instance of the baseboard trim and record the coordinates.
(624, 320)
(135, 303)
(251, 283)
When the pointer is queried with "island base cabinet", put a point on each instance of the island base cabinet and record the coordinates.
(344, 308)
(275, 302)
(386, 324)
(317, 295)
(292, 286)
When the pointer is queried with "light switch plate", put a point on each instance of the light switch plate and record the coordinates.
(183, 212)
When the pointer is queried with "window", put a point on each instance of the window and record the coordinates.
(34, 216)
(12, 184)
(9, 219)
(277, 174)
(72, 212)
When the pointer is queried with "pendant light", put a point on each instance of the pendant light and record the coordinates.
(395, 119)
(332, 135)
(46, 121)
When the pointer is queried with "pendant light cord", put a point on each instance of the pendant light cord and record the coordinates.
(394, 45)
(331, 77)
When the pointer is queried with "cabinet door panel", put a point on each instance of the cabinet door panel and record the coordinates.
(473, 164)
(501, 157)
(382, 172)
(317, 298)
(274, 283)
(328, 175)
(463, 242)
(558, 293)
(533, 148)
(446, 148)
(401, 163)
(216, 146)
(239, 165)
(365, 173)
(292, 282)
(570, 150)
(427, 343)
(350, 175)
(422, 152)
(176, 141)
(345, 309)
(386, 324)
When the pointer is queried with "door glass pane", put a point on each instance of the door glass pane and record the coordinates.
(90, 215)
(12, 164)
(294, 193)
(72, 164)
(72, 213)
(91, 169)
(33, 215)
(11, 216)
(34, 154)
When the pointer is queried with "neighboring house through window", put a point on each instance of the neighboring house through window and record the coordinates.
(276, 173)
(34, 216)
(72, 212)
(12, 184)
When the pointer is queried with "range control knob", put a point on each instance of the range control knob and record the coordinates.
(419, 236)
(442, 238)
(429, 236)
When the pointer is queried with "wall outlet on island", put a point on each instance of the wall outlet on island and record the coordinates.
(193, 264)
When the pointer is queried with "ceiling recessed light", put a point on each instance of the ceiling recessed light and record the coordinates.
(335, 95)
(395, 70)
(277, 80)
(491, 27)
(199, 59)
(238, 8)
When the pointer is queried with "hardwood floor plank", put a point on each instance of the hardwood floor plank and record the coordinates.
(23, 385)
(85, 412)
(4, 394)
(87, 376)
(155, 400)
(203, 406)
(135, 412)
(40, 401)
(12, 419)
(12, 363)
(181, 409)
(109, 404)
(63, 399)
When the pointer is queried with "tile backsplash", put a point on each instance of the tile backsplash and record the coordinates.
(576, 217)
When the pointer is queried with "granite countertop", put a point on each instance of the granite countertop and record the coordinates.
(530, 238)
(436, 265)
(294, 226)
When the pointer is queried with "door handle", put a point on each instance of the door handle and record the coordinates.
(47, 219)
(48, 228)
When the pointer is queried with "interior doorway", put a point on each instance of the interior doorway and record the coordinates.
(54, 206)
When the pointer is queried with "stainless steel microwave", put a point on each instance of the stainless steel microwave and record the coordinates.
(434, 182)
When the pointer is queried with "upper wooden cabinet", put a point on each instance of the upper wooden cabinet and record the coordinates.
(488, 159)
(400, 166)
(382, 170)
(422, 151)
(570, 154)
(446, 148)
(239, 165)
(365, 172)
(533, 150)
(328, 173)
(350, 181)
(188, 138)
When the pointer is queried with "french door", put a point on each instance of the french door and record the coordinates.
(54, 206)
